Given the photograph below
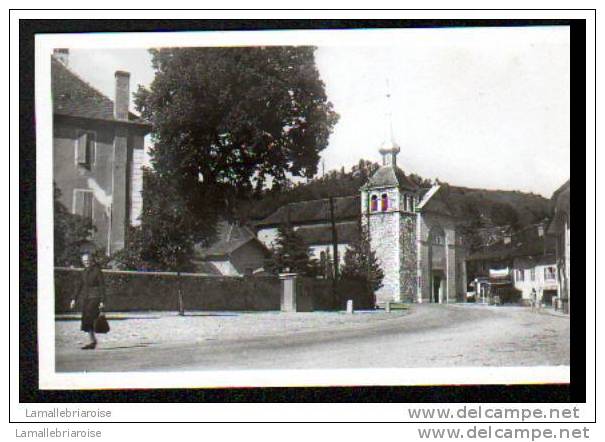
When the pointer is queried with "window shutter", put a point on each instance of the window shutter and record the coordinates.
(83, 203)
(82, 149)
(87, 205)
(78, 202)
(90, 148)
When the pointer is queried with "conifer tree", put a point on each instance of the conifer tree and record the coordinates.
(291, 254)
(360, 263)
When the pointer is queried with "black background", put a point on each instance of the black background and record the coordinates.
(28, 357)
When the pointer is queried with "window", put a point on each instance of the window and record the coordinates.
(406, 203)
(385, 202)
(85, 149)
(83, 203)
(549, 273)
(438, 239)
(374, 203)
(412, 204)
(520, 275)
(532, 274)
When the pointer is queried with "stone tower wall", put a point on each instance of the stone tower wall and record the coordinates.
(408, 256)
(384, 235)
(384, 232)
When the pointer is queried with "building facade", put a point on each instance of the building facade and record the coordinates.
(97, 153)
(523, 260)
(441, 250)
(312, 220)
(560, 229)
(537, 276)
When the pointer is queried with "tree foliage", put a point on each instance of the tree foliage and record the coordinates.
(236, 116)
(361, 264)
(165, 238)
(225, 122)
(333, 183)
(291, 254)
(72, 233)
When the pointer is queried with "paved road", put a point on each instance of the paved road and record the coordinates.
(429, 336)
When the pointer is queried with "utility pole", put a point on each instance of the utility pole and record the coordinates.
(335, 250)
(334, 238)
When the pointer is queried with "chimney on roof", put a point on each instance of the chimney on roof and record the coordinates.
(389, 156)
(507, 238)
(541, 230)
(122, 97)
(62, 55)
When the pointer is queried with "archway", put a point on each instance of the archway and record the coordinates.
(437, 286)
(437, 265)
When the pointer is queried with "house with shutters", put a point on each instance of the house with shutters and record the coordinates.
(97, 152)
(524, 259)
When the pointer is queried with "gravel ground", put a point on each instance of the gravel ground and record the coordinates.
(427, 335)
(143, 329)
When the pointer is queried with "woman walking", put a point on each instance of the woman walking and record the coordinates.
(90, 291)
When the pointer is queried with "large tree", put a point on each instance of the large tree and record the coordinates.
(228, 121)
(235, 117)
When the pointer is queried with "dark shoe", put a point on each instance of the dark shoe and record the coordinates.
(90, 346)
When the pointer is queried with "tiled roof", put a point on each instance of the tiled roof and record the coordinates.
(388, 176)
(445, 200)
(74, 97)
(346, 233)
(345, 208)
(206, 267)
(230, 238)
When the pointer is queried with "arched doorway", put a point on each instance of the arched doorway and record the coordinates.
(437, 265)
(438, 286)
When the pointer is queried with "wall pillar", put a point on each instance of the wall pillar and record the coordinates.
(450, 269)
(289, 287)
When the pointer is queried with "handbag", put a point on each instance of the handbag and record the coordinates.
(101, 324)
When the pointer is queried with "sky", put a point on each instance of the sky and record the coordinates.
(480, 107)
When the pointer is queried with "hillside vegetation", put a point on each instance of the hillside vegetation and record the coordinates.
(480, 207)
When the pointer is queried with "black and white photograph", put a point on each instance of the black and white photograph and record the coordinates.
(318, 207)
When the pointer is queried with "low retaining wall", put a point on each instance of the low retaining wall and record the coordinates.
(158, 291)
(324, 297)
(140, 291)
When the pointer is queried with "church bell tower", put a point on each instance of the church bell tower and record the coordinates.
(388, 201)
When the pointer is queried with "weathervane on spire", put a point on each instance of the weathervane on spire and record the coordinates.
(390, 112)
(389, 154)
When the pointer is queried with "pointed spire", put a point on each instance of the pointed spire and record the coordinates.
(389, 148)
(390, 113)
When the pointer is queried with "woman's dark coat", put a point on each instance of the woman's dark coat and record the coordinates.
(90, 291)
